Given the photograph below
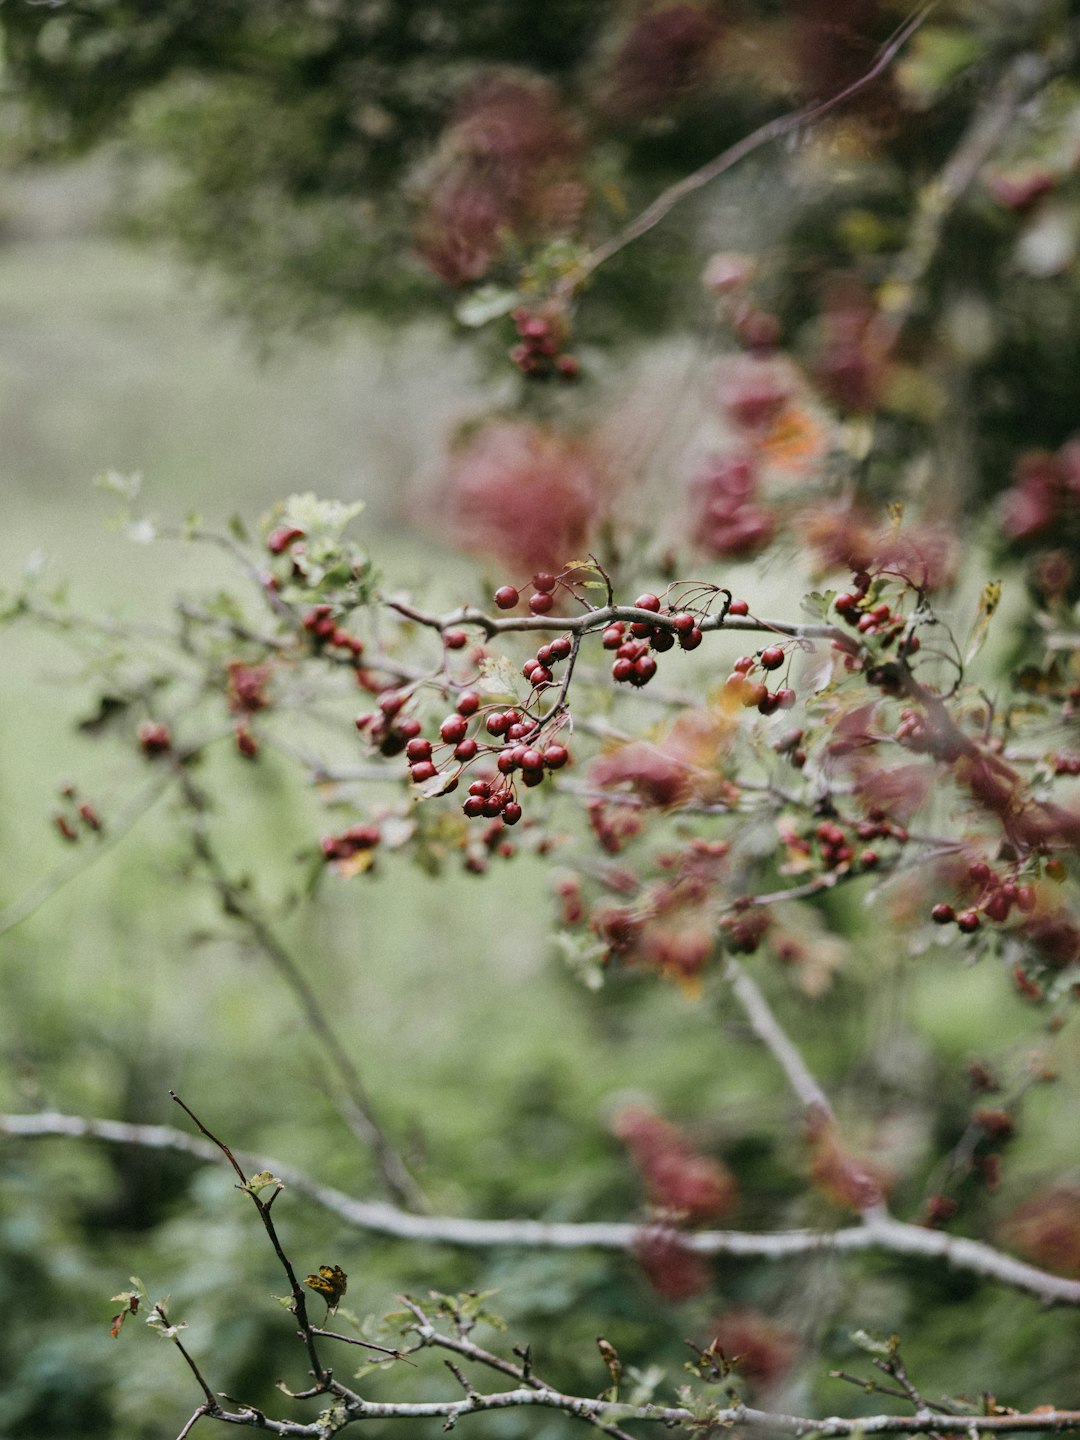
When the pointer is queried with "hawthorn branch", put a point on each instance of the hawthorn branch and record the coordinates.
(523, 1373)
(322, 1375)
(601, 1411)
(877, 1231)
(600, 616)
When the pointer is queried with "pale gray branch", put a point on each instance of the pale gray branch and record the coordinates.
(769, 1031)
(878, 1231)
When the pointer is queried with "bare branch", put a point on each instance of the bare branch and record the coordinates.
(876, 1232)
(769, 1031)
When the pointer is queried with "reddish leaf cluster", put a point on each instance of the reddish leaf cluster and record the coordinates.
(678, 1180)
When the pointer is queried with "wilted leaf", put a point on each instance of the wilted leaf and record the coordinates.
(262, 1181)
(989, 599)
(331, 1283)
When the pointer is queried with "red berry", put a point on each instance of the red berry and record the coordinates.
(544, 582)
(540, 676)
(612, 637)
(622, 669)
(423, 770)
(466, 751)
(506, 597)
(692, 639)
(561, 647)
(473, 807)
(532, 760)
(785, 697)
(245, 743)
(453, 729)
(743, 664)
(280, 539)
(556, 756)
(647, 601)
(455, 639)
(511, 813)
(768, 704)
(967, 921)
(540, 602)
(480, 787)
(997, 907)
(772, 657)
(662, 640)
(644, 669)
(468, 703)
(532, 777)
(516, 732)
(408, 729)
(738, 607)
(683, 623)
(497, 724)
(507, 762)
(390, 702)
(418, 749)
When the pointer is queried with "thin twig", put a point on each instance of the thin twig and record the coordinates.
(395, 1175)
(665, 202)
(82, 859)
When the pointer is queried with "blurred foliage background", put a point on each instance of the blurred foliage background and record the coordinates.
(308, 168)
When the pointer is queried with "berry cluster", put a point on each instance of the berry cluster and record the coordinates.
(319, 622)
(349, 842)
(791, 745)
(996, 895)
(745, 689)
(81, 812)
(388, 729)
(633, 664)
(521, 754)
(542, 599)
(539, 350)
(877, 619)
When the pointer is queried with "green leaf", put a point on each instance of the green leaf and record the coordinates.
(488, 302)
